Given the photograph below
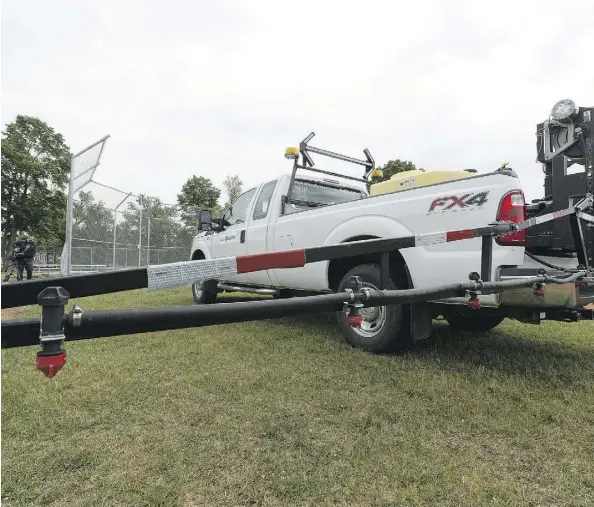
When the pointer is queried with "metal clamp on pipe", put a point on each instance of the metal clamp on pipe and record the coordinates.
(52, 357)
(76, 315)
(474, 301)
(355, 315)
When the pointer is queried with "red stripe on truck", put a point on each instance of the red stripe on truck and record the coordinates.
(461, 234)
(273, 260)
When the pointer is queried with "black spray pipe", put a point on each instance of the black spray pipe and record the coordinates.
(104, 323)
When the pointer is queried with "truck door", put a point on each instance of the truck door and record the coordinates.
(232, 240)
(257, 233)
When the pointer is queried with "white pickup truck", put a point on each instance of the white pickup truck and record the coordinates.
(255, 223)
(327, 211)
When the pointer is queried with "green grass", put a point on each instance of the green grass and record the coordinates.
(285, 413)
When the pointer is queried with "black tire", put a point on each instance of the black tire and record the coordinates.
(387, 335)
(477, 321)
(203, 293)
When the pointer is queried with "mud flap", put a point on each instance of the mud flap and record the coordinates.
(211, 286)
(421, 321)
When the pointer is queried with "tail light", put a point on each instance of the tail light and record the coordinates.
(512, 209)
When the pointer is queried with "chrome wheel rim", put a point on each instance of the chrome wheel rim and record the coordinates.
(374, 318)
(197, 289)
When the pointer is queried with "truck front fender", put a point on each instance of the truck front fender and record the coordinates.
(198, 245)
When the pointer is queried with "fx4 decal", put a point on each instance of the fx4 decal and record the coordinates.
(453, 202)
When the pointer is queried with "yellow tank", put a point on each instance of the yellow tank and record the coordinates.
(416, 178)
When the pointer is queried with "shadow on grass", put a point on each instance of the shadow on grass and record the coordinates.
(499, 351)
(502, 352)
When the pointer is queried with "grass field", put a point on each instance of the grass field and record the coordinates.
(285, 413)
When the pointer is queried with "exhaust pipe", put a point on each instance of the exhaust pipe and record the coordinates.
(247, 290)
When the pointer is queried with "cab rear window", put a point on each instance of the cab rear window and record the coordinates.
(320, 195)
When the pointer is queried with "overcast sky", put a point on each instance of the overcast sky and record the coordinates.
(221, 87)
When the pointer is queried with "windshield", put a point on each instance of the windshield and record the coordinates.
(320, 194)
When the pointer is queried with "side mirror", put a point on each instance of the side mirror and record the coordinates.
(204, 220)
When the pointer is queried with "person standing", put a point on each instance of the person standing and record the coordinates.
(25, 250)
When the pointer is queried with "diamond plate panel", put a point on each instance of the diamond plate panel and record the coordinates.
(433, 238)
(179, 274)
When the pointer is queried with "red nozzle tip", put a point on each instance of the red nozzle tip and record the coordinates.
(355, 320)
(539, 292)
(475, 304)
(51, 365)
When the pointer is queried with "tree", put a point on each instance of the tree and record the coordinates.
(197, 193)
(92, 231)
(217, 211)
(233, 187)
(92, 220)
(35, 167)
(161, 235)
(393, 167)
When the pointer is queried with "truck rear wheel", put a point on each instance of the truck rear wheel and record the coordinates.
(381, 327)
(203, 293)
(477, 321)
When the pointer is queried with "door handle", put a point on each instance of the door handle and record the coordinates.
(242, 236)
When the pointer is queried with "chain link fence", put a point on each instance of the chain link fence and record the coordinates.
(112, 229)
(108, 228)
(47, 261)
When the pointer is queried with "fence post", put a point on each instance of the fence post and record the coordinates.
(148, 242)
(87, 172)
(115, 225)
(140, 237)
(66, 270)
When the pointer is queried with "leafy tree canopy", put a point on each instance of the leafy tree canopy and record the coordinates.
(233, 187)
(35, 168)
(393, 167)
(91, 219)
(197, 193)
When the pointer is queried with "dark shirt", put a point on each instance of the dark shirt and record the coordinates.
(25, 247)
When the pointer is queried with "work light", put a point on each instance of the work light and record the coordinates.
(564, 111)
